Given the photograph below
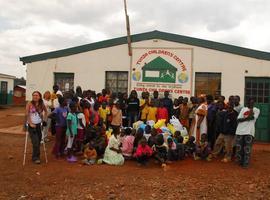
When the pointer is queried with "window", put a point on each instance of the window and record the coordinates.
(258, 88)
(65, 81)
(207, 83)
(117, 81)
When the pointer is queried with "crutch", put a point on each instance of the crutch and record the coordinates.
(44, 146)
(25, 144)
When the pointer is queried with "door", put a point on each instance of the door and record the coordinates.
(4, 93)
(65, 81)
(259, 88)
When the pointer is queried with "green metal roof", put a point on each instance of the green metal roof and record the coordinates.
(148, 36)
(159, 64)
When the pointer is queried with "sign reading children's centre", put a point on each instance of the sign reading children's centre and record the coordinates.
(162, 70)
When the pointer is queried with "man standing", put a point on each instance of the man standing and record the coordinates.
(245, 132)
(167, 102)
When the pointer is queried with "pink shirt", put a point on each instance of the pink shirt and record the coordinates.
(127, 145)
(143, 150)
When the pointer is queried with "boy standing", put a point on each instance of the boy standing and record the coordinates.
(245, 132)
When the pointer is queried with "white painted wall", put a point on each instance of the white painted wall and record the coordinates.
(10, 83)
(90, 67)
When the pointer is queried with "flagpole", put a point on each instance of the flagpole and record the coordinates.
(129, 46)
(128, 29)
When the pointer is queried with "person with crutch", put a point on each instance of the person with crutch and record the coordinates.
(36, 112)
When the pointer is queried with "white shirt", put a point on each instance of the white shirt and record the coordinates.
(82, 117)
(48, 105)
(247, 127)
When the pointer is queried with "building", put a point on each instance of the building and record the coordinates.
(160, 61)
(19, 95)
(6, 89)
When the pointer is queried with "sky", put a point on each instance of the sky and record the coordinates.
(30, 27)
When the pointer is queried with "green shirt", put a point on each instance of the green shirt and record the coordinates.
(74, 124)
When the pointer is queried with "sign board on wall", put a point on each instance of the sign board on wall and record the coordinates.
(161, 70)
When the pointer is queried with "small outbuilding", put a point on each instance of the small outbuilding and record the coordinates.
(6, 89)
(19, 95)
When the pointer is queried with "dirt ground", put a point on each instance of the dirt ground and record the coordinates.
(186, 179)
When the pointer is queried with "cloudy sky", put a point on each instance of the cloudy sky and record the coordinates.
(34, 26)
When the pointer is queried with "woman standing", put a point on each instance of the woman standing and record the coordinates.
(36, 112)
(48, 104)
(133, 108)
(199, 123)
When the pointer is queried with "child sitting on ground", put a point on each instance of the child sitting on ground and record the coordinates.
(143, 152)
(90, 154)
(202, 149)
(176, 150)
(160, 150)
(127, 143)
(147, 131)
(113, 154)
(152, 138)
(99, 141)
(190, 146)
(138, 137)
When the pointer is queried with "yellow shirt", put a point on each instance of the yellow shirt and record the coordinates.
(142, 102)
(152, 112)
(145, 111)
(103, 113)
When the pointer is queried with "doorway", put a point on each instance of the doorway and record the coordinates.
(4, 93)
(259, 89)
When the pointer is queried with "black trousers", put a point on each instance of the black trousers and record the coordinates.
(35, 135)
(143, 159)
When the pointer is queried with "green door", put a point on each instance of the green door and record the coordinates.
(259, 88)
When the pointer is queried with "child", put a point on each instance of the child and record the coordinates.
(81, 128)
(138, 137)
(172, 150)
(152, 112)
(94, 116)
(160, 150)
(162, 112)
(72, 130)
(227, 133)
(86, 107)
(104, 111)
(145, 110)
(60, 115)
(116, 115)
(127, 143)
(113, 154)
(184, 117)
(99, 141)
(202, 149)
(90, 154)
(176, 109)
(152, 138)
(143, 152)
(190, 146)
(147, 131)
(103, 98)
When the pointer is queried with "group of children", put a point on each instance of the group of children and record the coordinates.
(82, 120)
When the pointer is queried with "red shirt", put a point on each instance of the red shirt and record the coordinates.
(162, 113)
(94, 117)
(143, 150)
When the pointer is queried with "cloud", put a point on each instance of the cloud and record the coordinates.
(33, 27)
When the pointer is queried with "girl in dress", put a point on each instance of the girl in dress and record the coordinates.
(113, 154)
